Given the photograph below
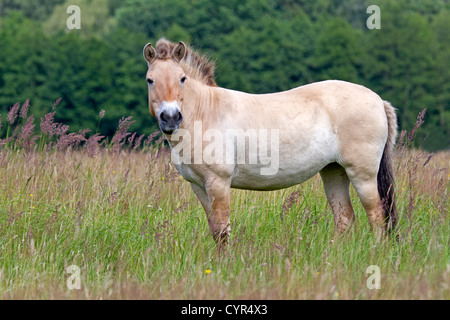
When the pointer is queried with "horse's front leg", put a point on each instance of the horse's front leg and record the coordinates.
(215, 199)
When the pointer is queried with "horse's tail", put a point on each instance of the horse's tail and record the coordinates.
(385, 176)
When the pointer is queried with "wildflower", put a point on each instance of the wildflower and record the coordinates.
(71, 139)
(47, 125)
(102, 114)
(419, 122)
(138, 141)
(31, 194)
(26, 138)
(92, 145)
(208, 271)
(57, 102)
(13, 112)
(131, 139)
(119, 137)
(24, 110)
(150, 138)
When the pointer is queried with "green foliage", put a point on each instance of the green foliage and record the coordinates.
(32, 9)
(338, 54)
(89, 74)
(260, 46)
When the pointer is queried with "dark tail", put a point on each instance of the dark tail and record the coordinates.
(385, 176)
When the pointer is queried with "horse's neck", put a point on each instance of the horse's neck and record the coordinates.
(200, 103)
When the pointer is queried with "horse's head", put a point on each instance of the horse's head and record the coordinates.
(165, 79)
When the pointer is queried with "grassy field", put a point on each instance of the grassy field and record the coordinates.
(136, 231)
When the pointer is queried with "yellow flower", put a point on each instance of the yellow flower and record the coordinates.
(207, 271)
(114, 171)
(163, 178)
(31, 194)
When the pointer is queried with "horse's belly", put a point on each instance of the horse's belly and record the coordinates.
(249, 176)
(297, 160)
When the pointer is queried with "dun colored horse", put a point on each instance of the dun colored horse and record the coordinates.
(342, 130)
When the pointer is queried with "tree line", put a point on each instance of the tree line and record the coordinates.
(259, 46)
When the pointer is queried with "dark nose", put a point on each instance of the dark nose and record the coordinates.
(170, 122)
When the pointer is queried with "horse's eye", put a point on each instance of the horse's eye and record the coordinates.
(183, 79)
(149, 81)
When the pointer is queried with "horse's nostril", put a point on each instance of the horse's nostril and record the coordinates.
(178, 117)
(163, 116)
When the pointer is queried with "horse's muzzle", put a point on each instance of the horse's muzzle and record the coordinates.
(169, 122)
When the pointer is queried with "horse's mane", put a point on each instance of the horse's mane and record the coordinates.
(197, 66)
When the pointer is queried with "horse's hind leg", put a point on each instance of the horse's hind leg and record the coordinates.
(365, 182)
(336, 184)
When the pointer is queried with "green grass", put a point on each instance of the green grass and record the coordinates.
(136, 231)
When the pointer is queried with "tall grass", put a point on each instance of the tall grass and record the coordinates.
(132, 225)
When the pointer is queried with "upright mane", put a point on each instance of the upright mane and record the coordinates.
(197, 66)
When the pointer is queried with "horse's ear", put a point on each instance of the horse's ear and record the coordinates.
(149, 53)
(179, 51)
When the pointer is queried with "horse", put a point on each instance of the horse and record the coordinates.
(341, 130)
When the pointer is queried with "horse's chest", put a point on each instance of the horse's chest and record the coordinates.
(189, 174)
